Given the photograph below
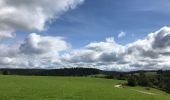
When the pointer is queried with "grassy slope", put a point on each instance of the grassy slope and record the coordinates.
(70, 88)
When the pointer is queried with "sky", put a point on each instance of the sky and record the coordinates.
(119, 35)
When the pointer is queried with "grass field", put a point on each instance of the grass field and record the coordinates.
(71, 88)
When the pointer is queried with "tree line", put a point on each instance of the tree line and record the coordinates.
(52, 72)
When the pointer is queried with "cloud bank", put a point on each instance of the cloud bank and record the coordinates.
(36, 51)
(150, 53)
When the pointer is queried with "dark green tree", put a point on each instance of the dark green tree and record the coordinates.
(132, 80)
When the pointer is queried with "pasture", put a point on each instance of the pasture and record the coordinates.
(72, 88)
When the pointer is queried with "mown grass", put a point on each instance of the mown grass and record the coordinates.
(70, 88)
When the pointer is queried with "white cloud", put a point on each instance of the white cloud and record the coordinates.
(35, 51)
(36, 44)
(96, 54)
(30, 15)
(96, 51)
(43, 49)
(121, 34)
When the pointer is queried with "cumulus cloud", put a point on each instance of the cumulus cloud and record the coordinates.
(154, 45)
(107, 51)
(43, 50)
(151, 52)
(35, 51)
(30, 15)
(103, 55)
(37, 45)
(161, 39)
(121, 34)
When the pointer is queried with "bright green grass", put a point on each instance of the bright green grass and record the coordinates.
(70, 88)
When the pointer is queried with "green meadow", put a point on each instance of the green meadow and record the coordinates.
(72, 88)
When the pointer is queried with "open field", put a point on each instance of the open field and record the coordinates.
(72, 88)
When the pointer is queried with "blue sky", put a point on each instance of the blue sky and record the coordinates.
(95, 20)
